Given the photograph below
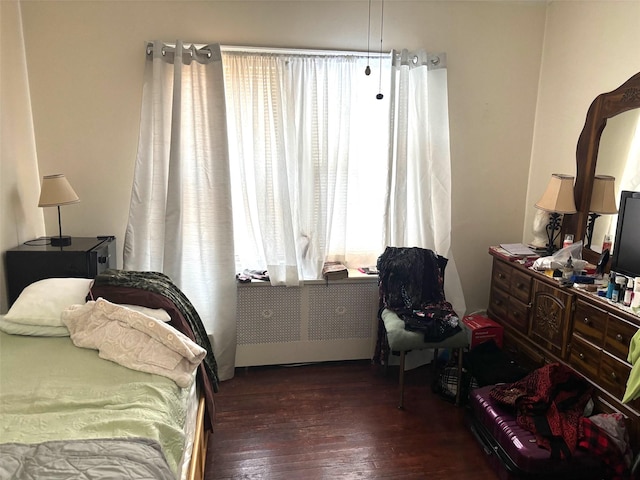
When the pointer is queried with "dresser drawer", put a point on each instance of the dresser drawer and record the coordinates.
(518, 316)
(499, 303)
(522, 351)
(520, 286)
(618, 337)
(614, 374)
(590, 323)
(501, 276)
(584, 357)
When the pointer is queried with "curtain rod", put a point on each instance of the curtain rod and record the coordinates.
(170, 48)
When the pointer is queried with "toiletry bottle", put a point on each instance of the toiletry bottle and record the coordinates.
(568, 240)
(635, 299)
(567, 270)
(628, 292)
(606, 243)
(612, 285)
(615, 295)
(618, 292)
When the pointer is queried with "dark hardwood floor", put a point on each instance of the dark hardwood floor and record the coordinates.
(338, 421)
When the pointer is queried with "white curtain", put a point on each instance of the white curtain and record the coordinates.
(22, 220)
(418, 209)
(180, 220)
(308, 140)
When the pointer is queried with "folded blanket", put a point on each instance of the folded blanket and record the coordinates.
(133, 340)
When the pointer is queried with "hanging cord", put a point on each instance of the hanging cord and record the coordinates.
(367, 71)
(379, 96)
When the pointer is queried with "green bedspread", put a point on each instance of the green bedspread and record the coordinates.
(53, 390)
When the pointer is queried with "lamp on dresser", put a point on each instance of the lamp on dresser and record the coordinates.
(557, 200)
(54, 192)
(603, 202)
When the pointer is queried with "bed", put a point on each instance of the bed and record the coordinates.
(112, 378)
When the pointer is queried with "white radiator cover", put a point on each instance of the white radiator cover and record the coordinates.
(311, 323)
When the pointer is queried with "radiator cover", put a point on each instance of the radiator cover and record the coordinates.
(311, 323)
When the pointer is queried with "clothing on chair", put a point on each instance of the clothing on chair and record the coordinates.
(411, 281)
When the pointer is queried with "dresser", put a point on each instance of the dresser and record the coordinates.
(37, 259)
(545, 322)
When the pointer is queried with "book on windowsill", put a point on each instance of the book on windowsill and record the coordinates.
(334, 271)
(369, 270)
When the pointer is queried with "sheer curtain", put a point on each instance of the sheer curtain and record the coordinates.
(418, 206)
(180, 220)
(308, 141)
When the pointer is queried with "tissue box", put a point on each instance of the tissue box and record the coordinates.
(482, 328)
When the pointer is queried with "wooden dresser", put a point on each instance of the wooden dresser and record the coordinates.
(544, 323)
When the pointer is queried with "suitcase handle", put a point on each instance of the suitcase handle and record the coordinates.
(488, 451)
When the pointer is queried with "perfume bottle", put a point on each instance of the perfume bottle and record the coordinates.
(628, 292)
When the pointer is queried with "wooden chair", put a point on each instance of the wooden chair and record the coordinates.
(412, 279)
(402, 341)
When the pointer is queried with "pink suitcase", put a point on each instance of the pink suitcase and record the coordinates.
(513, 452)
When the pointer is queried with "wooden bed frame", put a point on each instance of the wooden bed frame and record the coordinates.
(199, 451)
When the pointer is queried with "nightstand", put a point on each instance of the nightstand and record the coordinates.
(33, 261)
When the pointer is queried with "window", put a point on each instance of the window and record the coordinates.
(309, 153)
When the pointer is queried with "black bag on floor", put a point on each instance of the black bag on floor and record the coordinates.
(488, 365)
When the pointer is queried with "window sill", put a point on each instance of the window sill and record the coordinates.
(355, 276)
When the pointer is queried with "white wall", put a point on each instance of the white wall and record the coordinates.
(86, 106)
(22, 220)
(85, 73)
(510, 63)
(590, 48)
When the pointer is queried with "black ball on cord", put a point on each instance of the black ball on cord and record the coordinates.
(367, 71)
(379, 96)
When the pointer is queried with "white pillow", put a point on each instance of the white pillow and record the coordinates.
(12, 328)
(159, 314)
(42, 302)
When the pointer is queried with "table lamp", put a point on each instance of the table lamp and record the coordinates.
(557, 200)
(54, 192)
(603, 202)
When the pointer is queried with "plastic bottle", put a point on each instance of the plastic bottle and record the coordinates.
(635, 300)
(612, 285)
(606, 243)
(628, 292)
(568, 240)
(618, 292)
(567, 270)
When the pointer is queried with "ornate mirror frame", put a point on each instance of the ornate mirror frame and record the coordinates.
(606, 105)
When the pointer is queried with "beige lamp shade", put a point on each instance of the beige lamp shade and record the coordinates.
(56, 190)
(558, 197)
(603, 195)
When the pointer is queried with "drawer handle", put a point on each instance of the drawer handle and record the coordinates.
(613, 375)
(501, 276)
(498, 302)
(581, 356)
(619, 337)
(519, 285)
(585, 321)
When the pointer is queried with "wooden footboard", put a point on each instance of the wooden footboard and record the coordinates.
(199, 453)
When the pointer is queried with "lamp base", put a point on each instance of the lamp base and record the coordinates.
(61, 241)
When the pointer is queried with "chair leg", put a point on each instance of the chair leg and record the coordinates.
(401, 375)
(459, 389)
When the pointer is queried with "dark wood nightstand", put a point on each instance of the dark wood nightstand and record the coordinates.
(35, 260)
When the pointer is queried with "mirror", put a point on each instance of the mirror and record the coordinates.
(601, 113)
(618, 152)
